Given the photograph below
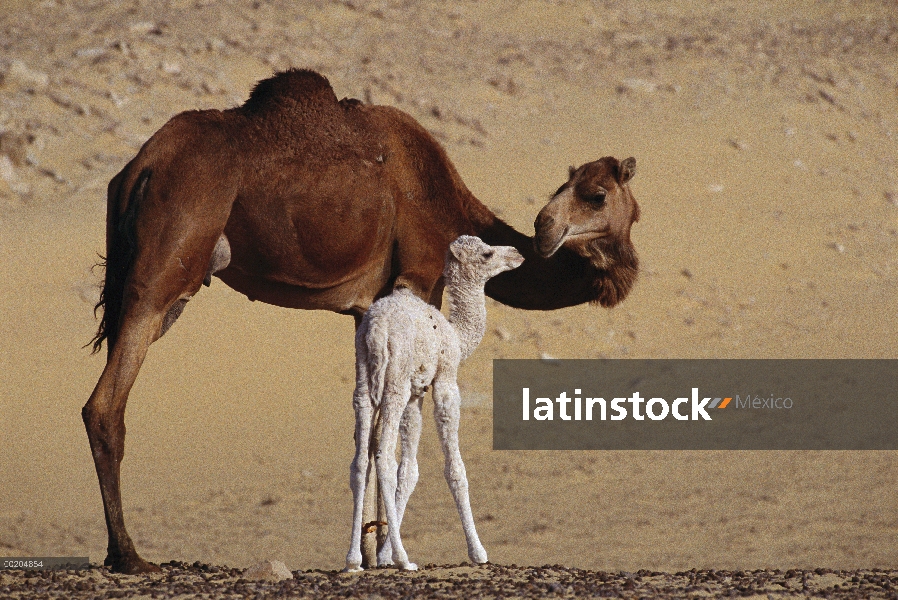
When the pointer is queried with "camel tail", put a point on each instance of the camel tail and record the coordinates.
(121, 247)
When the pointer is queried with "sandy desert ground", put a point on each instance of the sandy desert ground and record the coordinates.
(765, 135)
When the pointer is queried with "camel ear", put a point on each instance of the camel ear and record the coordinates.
(627, 170)
(570, 171)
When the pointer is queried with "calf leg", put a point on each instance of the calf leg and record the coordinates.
(372, 508)
(447, 404)
(409, 437)
(391, 410)
(358, 471)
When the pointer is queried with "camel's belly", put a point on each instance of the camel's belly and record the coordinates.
(352, 296)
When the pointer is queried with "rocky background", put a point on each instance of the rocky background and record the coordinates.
(180, 580)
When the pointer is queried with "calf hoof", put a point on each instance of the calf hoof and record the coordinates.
(385, 556)
(478, 556)
(130, 565)
(353, 562)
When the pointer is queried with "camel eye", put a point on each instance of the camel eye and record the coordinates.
(597, 200)
(488, 254)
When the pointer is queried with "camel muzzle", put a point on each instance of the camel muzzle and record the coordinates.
(547, 242)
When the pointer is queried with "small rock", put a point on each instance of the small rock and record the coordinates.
(211, 87)
(15, 146)
(143, 27)
(269, 570)
(215, 44)
(891, 197)
(637, 85)
(8, 174)
(116, 99)
(20, 74)
(90, 52)
(715, 188)
(172, 68)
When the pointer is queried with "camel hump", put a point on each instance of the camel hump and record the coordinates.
(292, 85)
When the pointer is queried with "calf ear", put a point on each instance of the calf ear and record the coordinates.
(457, 249)
(627, 170)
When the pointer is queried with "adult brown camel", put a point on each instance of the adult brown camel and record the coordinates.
(302, 201)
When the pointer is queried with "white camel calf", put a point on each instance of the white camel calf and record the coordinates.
(403, 345)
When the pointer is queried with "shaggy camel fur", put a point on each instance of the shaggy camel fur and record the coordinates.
(303, 201)
(403, 346)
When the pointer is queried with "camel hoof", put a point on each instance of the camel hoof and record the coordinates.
(130, 565)
(409, 567)
(353, 569)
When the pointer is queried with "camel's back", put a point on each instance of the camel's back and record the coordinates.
(293, 126)
(294, 86)
(290, 119)
(296, 112)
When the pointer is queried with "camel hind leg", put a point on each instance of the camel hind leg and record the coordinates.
(170, 256)
(104, 419)
(142, 323)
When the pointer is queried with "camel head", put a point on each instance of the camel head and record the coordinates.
(591, 214)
